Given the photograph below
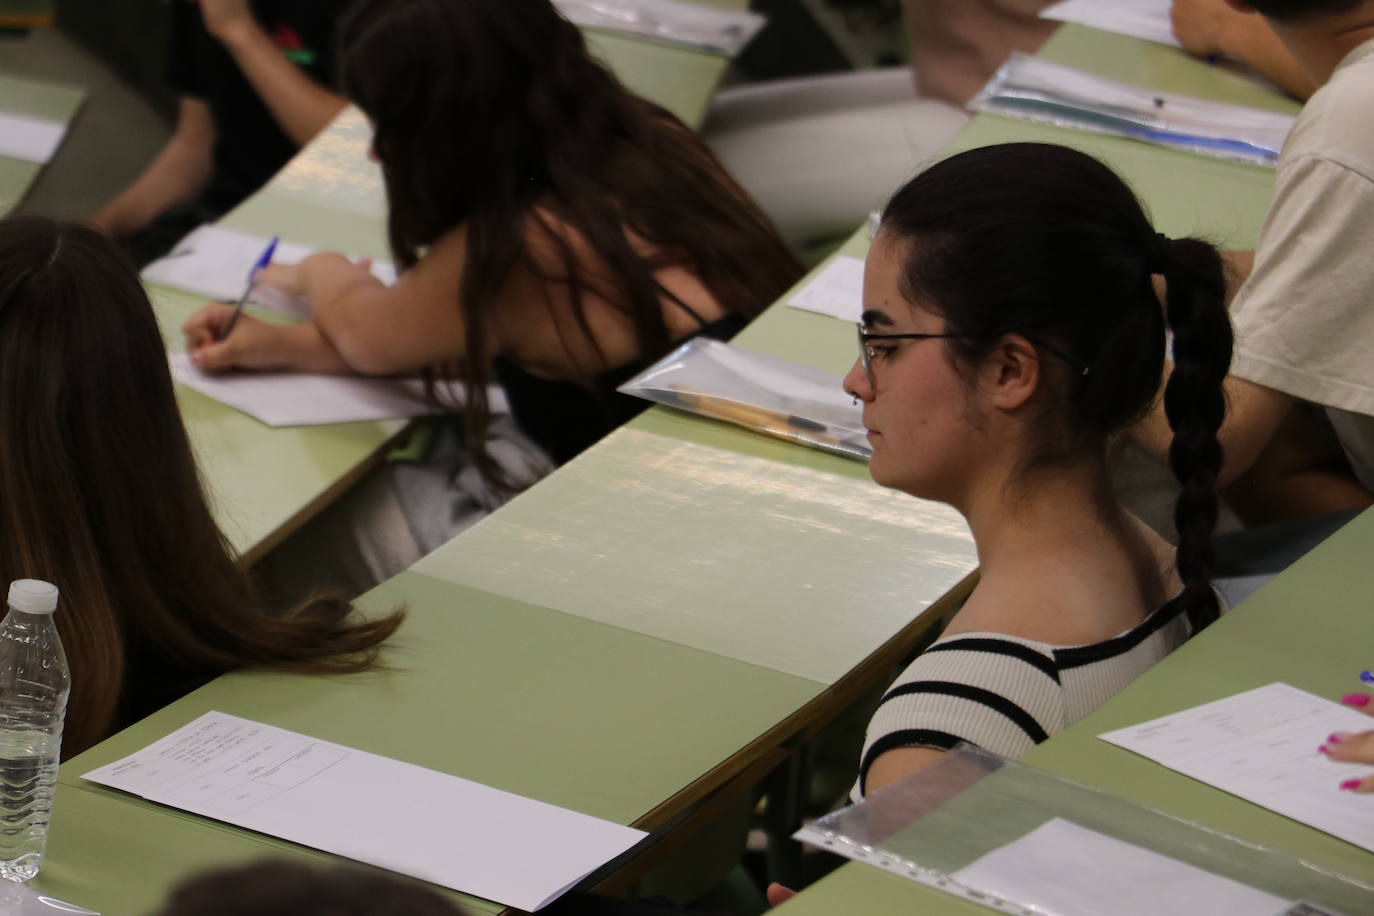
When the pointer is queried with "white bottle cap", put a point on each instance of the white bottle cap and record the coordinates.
(33, 596)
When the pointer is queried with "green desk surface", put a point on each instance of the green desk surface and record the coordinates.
(533, 701)
(121, 859)
(1298, 629)
(779, 564)
(34, 99)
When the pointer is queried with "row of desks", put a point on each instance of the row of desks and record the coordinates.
(621, 639)
(653, 624)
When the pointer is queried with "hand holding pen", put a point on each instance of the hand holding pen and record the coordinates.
(263, 260)
(257, 344)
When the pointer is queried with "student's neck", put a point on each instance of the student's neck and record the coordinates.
(1319, 48)
(1026, 513)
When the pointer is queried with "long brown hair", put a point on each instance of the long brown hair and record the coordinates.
(99, 492)
(490, 114)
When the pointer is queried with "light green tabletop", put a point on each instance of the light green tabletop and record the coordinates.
(33, 99)
(526, 699)
(139, 853)
(1299, 629)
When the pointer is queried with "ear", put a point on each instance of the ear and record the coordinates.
(1010, 374)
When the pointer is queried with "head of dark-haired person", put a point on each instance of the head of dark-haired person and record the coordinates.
(1041, 254)
(281, 888)
(491, 115)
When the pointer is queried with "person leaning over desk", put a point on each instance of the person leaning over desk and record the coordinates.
(1010, 329)
(555, 233)
(252, 80)
(1304, 328)
(99, 494)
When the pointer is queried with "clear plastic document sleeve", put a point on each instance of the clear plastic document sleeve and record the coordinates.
(1038, 90)
(1019, 840)
(763, 393)
(689, 24)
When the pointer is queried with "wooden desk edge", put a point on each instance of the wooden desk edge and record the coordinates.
(679, 816)
(326, 497)
(27, 20)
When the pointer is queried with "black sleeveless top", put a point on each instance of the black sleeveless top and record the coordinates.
(565, 418)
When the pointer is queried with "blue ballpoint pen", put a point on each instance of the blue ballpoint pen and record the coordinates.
(263, 260)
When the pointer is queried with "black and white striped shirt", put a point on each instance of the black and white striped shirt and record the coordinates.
(1007, 694)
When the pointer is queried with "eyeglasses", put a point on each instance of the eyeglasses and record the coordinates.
(867, 352)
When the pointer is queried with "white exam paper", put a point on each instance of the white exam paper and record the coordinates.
(305, 399)
(837, 291)
(1261, 745)
(432, 826)
(1148, 19)
(30, 139)
(1068, 870)
(214, 262)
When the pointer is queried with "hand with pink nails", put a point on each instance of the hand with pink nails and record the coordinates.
(1354, 747)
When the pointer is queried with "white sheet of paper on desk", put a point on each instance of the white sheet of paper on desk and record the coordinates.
(304, 399)
(837, 291)
(1261, 745)
(1148, 19)
(439, 828)
(214, 262)
(1068, 870)
(30, 139)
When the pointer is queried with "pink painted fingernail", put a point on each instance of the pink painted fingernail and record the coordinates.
(1336, 737)
(1356, 699)
(1350, 784)
(1323, 750)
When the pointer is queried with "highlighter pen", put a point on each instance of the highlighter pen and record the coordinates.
(759, 419)
(263, 260)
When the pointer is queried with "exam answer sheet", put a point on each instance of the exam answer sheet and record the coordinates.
(439, 828)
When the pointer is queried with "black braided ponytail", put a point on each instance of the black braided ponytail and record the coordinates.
(1048, 243)
(1195, 405)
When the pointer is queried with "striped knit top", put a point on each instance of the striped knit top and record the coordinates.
(1007, 694)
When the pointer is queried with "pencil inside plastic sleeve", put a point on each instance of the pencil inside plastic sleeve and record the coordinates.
(765, 394)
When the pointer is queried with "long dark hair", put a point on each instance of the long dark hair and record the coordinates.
(1048, 243)
(99, 492)
(490, 114)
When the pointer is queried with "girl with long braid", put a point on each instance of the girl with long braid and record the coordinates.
(1011, 329)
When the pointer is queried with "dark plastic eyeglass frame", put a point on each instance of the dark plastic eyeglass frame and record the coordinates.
(866, 354)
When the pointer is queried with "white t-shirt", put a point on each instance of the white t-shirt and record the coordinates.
(1304, 320)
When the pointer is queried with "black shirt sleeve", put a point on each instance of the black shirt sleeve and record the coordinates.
(185, 36)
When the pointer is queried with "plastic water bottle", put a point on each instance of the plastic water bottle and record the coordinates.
(34, 683)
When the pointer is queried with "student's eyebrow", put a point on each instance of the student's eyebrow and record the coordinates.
(872, 318)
